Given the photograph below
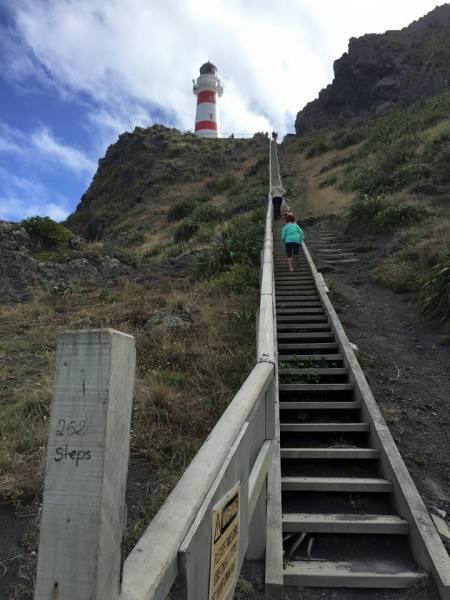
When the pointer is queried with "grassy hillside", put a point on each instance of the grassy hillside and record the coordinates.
(188, 222)
(387, 177)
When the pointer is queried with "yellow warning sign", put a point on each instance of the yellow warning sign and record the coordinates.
(225, 544)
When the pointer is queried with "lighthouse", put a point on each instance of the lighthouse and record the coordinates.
(207, 88)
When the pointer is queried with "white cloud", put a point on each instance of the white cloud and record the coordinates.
(12, 141)
(41, 146)
(130, 62)
(21, 198)
(63, 155)
(137, 57)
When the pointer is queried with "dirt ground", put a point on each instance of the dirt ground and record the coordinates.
(407, 366)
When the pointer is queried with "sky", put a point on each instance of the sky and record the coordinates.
(75, 74)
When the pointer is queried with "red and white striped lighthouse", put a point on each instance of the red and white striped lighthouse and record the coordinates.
(207, 88)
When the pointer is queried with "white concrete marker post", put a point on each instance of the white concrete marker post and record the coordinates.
(87, 462)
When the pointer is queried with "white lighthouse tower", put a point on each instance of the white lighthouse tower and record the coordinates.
(207, 88)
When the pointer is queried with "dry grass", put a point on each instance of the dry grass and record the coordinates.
(302, 178)
(415, 250)
(392, 414)
(183, 381)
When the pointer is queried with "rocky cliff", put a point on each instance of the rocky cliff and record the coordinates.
(124, 219)
(145, 171)
(383, 71)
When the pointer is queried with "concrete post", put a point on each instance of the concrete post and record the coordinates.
(88, 448)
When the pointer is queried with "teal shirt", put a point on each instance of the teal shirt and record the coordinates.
(292, 233)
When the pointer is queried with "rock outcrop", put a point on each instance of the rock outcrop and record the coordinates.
(143, 170)
(384, 71)
(23, 270)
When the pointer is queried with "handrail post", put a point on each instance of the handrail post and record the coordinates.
(87, 462)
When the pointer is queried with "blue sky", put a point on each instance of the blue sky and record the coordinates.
(74, 74)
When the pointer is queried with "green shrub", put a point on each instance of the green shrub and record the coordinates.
(317, 149)
(388, 170)
(155, 250)
(328, 181)
(49, 233)
(206, 213)
(185, 232)
(437, 157)
(373, 213)
(433, 298)
(344, 139)
(216, 186)
(181, 210)
(205, 233)
(246, 196)
(134, 239)
(393, 216)
(237, 242)
(260, 168)
(239, 278)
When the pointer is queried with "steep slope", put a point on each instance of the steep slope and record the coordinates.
(383, 71)
(147, 171)
(165, 246)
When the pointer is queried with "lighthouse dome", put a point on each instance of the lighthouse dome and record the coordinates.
(208, 69)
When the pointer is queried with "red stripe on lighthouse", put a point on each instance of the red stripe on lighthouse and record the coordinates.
(206, 125)
(206, 96)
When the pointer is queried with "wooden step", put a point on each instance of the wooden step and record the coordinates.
(310, 346)
(281, 266)
(336, 484)
(299, 318)
(293, 327)
(322, 427)
(330, 453)
(341, 261)
(315, 387)
(345, 523)
(306, 336)
(293, 278)
(281, 269)
(349, 574)
(335, 254)
(288, 287)
(314, 371)
(298, 295)
(311, 405)
(306, 308)
(297, 313)
(327, 357)
(297, 281)
(288, 301)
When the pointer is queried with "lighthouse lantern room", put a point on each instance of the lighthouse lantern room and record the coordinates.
(207, 88)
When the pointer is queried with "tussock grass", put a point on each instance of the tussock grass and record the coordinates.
(433, 287)
(237, 242)
(374, 213)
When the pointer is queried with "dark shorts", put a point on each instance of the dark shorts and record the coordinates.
(292, 248)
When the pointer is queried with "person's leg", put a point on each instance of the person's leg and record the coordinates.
(295, 252)
(289, 255)
(277, 207)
